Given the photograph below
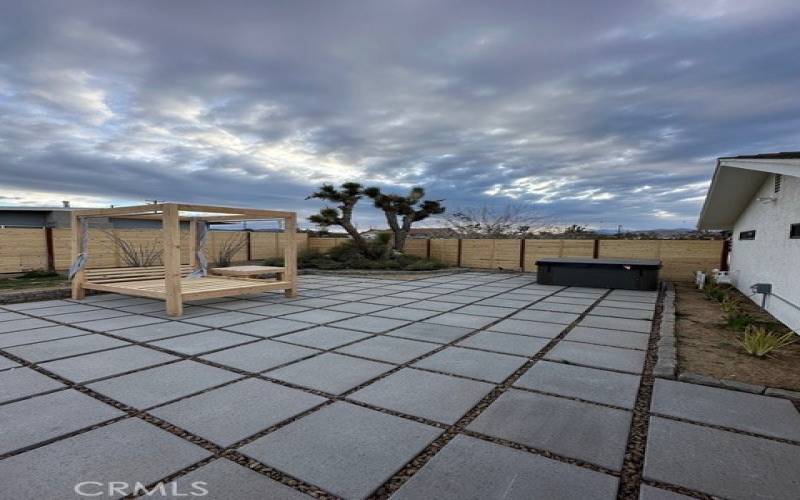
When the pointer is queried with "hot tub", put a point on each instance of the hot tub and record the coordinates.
(625, 274)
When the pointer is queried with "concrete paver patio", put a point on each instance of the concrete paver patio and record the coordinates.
(464, 385)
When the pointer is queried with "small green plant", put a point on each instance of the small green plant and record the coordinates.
(733, 315)
(713, 291)
(759, 342)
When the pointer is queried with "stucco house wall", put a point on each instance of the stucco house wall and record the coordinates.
(772, 257)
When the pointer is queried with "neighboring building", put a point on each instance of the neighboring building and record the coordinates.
(58, 218)
(757, 198)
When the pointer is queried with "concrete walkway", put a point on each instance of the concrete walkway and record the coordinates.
(472, 385)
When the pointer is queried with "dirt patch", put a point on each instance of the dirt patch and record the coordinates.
(706, 346)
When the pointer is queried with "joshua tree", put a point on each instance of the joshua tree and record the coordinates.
(346, 198)
(402, 211)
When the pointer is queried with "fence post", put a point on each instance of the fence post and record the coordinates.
(596, 250)
(459, 253)
(51, 258)
(428, 249)
(522, 255)
(249, 246)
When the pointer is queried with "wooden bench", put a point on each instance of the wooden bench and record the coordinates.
(249, 271)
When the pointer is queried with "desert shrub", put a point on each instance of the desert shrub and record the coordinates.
(713, 291)
(733, 315)
(758, 341)
(349, 256)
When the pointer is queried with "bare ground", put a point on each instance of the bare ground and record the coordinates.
(706, 346)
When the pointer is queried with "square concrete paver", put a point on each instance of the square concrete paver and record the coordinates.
(429, 395)
(343, 448)
(614, 338)
(647, 492)
(319, 316)
(197, 343)
(269, 327)
(37, 304)
(558, 299)
(430, 332)
(33, 420)
(617, 312)
(316, 302)
(65, 347)
(629, 325)
(406, 313)
(621, 304)
(106, 363)
(323, 337)
(357, 307)
(231, 413)
(720, 463)
(601, 386)
(569, 428)
(161, 384)
(370, 324)
(275, 309)
(331, 373)
(6, 363)
(66, 309)
(532, 328)
(118, 323)
(473, 468)
(461, 320)
(738, 410)
(158, 331)
(21, 382)
(389, 301)
(389, 349)
(260, 356)
(501, 301)
(470, 363)
(559, 307)
(39, 335)
(225, 479)
(7, 316)
(546, 316)
(81, 317)
(485, 310)
(434, 305)
(598, 356)
(129, 451)
(15, 325)
(223, 319)
(506, 343)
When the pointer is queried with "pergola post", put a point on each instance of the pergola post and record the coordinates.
(77, 223)
(172, 259)
(290, 255)
(193, 243)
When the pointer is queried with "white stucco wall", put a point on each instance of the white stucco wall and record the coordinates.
(772, 257)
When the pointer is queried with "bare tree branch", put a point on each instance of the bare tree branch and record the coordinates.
(514, 220)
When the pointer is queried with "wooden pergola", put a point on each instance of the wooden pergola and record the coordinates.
(171, 282)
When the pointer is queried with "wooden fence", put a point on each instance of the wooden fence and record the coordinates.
(27, 249)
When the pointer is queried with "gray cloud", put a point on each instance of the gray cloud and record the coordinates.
(598, 113)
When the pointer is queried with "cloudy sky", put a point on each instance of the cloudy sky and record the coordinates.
(594, 112)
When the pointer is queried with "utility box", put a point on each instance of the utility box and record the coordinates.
(624, 274)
